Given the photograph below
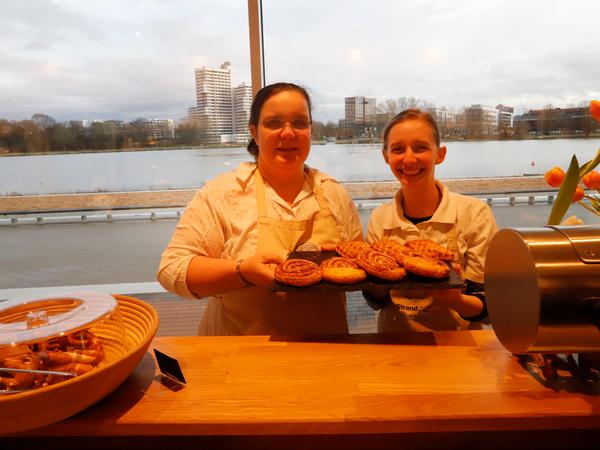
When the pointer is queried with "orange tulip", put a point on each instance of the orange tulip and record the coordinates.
(554, 177)
(578, 195)
(595, 109)
(592, 180)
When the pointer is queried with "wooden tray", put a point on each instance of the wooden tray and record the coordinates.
(411, 282)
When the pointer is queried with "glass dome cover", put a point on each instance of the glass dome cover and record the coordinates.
(48, 340)
(22, 321)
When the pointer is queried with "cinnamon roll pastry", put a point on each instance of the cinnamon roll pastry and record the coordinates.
(351, 249)
(298, 272)
(381, 265)
(425, 267)
(429, 249)
(342, 271)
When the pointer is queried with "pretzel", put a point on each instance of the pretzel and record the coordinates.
(342, 271)
(380, 265)
(425, 267)
(351, 249)
(429, 249)
(298, 272)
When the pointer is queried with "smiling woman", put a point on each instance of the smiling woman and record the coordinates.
(283, 147)
(242, 224)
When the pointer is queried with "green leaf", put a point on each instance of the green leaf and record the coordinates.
(590, 165)
(565, 193)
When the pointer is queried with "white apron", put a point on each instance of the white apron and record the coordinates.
(419, 313)
(255, 310)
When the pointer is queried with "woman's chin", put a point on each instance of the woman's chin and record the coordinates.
(413, 180)
(290, 159)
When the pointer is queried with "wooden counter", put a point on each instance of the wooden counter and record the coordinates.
(443, 390)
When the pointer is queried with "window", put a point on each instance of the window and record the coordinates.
(494, 75)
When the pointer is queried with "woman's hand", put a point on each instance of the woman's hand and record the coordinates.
(259, 269)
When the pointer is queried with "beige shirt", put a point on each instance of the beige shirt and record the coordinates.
(475, 226)
(221, 221)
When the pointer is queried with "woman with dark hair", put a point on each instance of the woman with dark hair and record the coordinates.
(423, 208)
(241, 224)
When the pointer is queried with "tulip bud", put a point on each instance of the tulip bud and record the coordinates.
(595, 109)
(592, 180)
(554, 177)
(578, 195)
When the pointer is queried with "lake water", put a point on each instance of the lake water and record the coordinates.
(190, 168)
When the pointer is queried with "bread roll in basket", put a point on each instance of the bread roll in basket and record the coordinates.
(124, 342)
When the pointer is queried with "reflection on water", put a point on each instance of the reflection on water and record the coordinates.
(190, 168)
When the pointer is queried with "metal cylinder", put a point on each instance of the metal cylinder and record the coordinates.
(543, 289)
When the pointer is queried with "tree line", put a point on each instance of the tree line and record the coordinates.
(43, 134)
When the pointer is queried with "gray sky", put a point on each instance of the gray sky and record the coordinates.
(74, 59)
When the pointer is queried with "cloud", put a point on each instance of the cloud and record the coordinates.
(122, 60)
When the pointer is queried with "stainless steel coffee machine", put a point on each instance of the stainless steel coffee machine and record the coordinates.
(543, 289)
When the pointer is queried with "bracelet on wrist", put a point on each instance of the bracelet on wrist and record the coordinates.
(238, 271)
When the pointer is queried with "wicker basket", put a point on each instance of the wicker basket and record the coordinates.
(47, 405)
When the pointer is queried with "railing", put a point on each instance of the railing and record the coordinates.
(46, 218)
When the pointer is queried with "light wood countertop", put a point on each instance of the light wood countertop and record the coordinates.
(435, 383)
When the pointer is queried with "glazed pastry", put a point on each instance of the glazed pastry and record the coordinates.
(381, 265)
(298, 272)
(425, 267)
(342, 271)
(429, 249)
(391, 248)
(351, 249)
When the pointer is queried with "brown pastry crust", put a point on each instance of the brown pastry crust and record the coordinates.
(381, 265)
(388, 246)
(425, 267)
(351, 249)
(404, 253)
(342, 271)
(429, 249)
(344, 275)
(298, 272)
(338, 261)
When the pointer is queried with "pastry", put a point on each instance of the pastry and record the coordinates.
(388, 246)
(380, 265)
(351, 249)
(425, 267)
(298, 272)
(404, 253)
(429, 249)
(342, 271)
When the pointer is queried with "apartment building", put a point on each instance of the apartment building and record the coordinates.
(156, 128)
(214, 104)
(481, 120)
(359, 111)
(242, 102)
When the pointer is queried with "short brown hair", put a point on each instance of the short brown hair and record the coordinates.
(412, 114)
